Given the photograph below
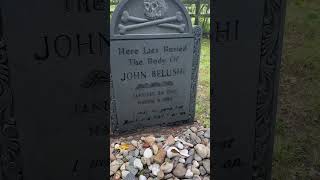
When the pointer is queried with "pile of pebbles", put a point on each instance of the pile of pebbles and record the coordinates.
(186, 156)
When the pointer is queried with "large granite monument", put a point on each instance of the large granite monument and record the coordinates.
(54, 90)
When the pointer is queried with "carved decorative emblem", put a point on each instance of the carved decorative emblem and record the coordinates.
(155, 12)
(155, 9)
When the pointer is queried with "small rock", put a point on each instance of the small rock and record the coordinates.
(195, 164)
(138, 164)
(188, 132)
(136, 153)
(168, 176)
(144, 160)
(189, 174)
(196, 177)
(155, 168)
(179, 145)
(205, 141)
(142, 177)
(124, 174)
(150, 140)
(116, 146)
(123, 167)
(184, 152)
(201, 150)
(160, 139)
(182, 160)
(160, 175)
(206, 165)
(134, 143)
(159, 158)
(146, 145)
(155, 148)
(147, 153)
(195, 138)
(195, 171)
(119, 156)
(207, 134)
(202, 171)
(184, 142)
(132, 170)
(197, 157)
(179, 171)
(191, 152)
(131, 147)
(130, 176)
(125, 153)
(141, 151)
(117, 176)
(167, 167)
(200, 133)
(115, 165)
(170, 141)
(189, 160)
(194, 129)
(172, 152)
(206, 178)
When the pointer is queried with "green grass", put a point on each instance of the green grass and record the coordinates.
(297, 141)
(203, 94)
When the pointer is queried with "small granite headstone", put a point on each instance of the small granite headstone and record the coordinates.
(154, 64)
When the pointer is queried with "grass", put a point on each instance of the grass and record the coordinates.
(297, 146)
(203, 94)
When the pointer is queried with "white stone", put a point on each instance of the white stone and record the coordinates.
(184, 152)
(147, 153)
(138, 164)
(142, 177)
(189, 174)
(117, 146)
(195, 164)
(179, 145)
(182, 160)
(123, 167)
(155, 168)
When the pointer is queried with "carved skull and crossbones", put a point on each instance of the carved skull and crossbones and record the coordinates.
(155, 12)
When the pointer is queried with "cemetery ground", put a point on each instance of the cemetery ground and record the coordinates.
(297, 145)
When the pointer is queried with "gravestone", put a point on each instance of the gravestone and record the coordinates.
(154, 64)
(54, 90)
(247, 43)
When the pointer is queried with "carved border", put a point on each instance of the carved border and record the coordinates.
(271, 42)
(113, 110)
(197, 33)
(10, 150)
